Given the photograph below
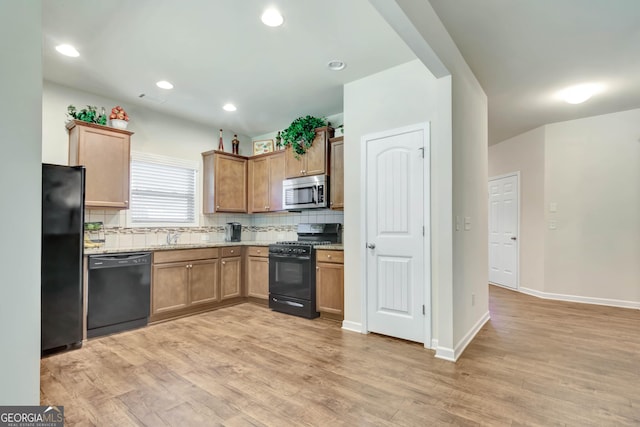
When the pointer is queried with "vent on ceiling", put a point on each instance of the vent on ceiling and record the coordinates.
(151, 98)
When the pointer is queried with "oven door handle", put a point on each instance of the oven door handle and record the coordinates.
(291, 257)
(293, 304)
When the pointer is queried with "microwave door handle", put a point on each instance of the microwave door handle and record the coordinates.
(314, 190)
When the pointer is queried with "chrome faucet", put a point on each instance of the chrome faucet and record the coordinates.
(172, 238)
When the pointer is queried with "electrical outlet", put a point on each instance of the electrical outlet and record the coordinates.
(280, 236)
(204, 238)
(553, 224)
(458, 223)
(467, 223)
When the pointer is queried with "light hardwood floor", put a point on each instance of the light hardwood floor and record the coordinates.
(536, 362)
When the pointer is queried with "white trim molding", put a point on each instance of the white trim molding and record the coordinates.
(353, 327)
(581, 299)
(452, 355)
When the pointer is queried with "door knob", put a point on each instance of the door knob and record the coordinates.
(514, 238)
(371, 245)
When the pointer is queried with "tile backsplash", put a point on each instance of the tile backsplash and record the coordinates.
(256, 227)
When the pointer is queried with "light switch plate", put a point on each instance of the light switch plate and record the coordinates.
(458, 223)
(467, 223)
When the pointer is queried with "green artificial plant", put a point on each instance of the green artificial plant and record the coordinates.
(300, 133)
(89, 114)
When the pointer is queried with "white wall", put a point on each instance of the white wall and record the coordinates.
(458, 318)
(593, 174)
(20, 187)
(400, 96)
(525, 153)
(155, 132)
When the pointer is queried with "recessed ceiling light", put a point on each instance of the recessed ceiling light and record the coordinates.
(229, 107)
(336, 65)
(68, 50)
(272, 18)
(580, 93)
(163, 84)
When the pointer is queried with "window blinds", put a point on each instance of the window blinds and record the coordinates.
(163, 190)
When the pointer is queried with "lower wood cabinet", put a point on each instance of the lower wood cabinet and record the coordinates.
(330, 283)
(258, 272)
(231, 272)
(187, 281)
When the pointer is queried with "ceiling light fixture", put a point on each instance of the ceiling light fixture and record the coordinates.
(579, 93)
(272, 18)
(229, 107)
(163, 84)
(68, 50)
(336, 65)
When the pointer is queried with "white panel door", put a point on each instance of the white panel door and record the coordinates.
(394, 233)
(503, 231)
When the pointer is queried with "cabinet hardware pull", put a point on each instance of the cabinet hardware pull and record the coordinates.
(224, 262)
(317, 268)
(329, 256)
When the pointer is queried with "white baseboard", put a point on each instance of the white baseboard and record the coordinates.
(452, 354)
(352, 326)
(445, 353)
(581, 299)
(464, 342)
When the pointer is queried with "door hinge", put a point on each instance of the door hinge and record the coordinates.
(423, 312)
(423, 230)
(421, 151)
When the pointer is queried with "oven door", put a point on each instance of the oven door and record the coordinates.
(290, 276)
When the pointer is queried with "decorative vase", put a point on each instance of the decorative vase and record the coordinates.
(235, 144)
(221, 144)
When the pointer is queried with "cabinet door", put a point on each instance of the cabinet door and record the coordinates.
(105, 155)
(203, 284)
(316, 155)
(276, 176)
(230, 183)
(170, 290)
(259, 184)
(230, 269)
(330, 288)
(293, 167)
(258, 277)
(337, 175)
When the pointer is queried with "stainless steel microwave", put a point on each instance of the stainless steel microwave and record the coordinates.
(308, 192)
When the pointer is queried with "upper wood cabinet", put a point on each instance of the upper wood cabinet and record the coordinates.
(314, 161)
(266, 173)
(337, 173)
(105, 153)
(224, 182)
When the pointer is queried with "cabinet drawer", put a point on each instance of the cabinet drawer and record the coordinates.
(178, 255)
(231, 251)
(330, 256)
(262, 251)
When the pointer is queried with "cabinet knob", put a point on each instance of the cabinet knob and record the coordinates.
(231, 250)
(329, 256)
(217, 206)
(258, 250)
(126, 202)
(224, 262)
(317, 268)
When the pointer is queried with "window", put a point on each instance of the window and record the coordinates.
(163, 191)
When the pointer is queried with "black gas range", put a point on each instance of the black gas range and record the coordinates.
(292, 273)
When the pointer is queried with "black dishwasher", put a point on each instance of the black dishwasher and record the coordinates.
(118, 292)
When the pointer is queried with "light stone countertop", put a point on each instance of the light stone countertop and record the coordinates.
(98, 251)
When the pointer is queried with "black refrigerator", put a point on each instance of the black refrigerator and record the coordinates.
(62, 250)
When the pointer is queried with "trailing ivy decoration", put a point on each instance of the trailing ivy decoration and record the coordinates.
(89, 114)
(300, 133)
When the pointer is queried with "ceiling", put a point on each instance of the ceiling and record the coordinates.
(523, 52)
(219, 51)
